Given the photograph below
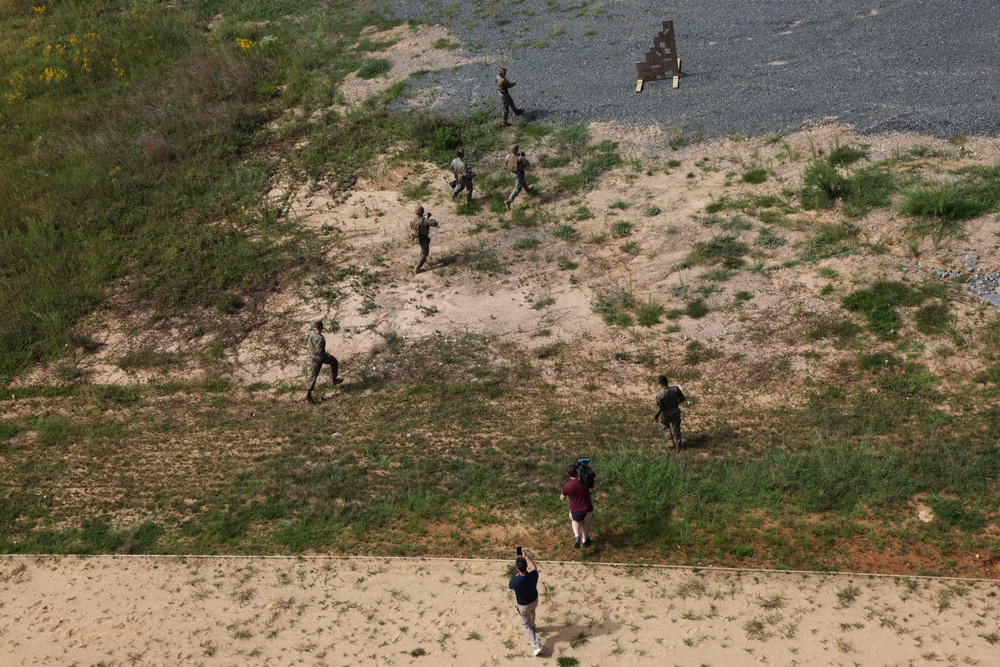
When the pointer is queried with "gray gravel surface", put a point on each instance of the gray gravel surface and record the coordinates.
(751, 66)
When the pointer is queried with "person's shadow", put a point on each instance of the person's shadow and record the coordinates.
(576, 632)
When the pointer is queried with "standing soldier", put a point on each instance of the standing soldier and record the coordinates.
(668, 411)
(420, 228)
(317, 348)
(516, 164)
(463, 177)
(503, 88)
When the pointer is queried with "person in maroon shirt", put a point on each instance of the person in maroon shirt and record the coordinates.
(581, 508)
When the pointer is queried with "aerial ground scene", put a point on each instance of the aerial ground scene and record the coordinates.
(803, 236)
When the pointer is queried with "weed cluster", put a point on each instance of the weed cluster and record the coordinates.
(618, 307)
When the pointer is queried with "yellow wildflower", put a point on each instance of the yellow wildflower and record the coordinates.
(39, 9)
(245, 44)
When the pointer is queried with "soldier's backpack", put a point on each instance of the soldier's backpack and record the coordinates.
(585, 474)
(512, 164)
(415, 227)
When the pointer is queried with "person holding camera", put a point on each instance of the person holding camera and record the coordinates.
(525, 587)
(581, 507)
(420, 227)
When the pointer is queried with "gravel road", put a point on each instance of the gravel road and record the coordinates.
(751, 66)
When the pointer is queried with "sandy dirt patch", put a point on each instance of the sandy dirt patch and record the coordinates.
(536, 300)
(413, 50)
(323, 611)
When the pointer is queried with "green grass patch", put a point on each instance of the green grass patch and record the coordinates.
(621, 228)
(565, 232)
(833, 240)
(374, 67)
(768, 240)
(755, 175)
(723, 249)
(879, 304)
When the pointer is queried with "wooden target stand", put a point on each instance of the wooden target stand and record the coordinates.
(661, 60)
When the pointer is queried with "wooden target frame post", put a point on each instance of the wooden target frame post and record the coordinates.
(661, 60)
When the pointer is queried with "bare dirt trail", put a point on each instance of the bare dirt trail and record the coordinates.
(346, 612)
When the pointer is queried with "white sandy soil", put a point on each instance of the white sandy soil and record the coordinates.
(327, 611)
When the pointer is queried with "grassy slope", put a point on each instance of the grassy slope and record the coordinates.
(142, 176)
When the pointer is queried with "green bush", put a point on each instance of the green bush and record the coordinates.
(843, 156)
(722, 249)
(565, 232)
(648, 314)
(620, 228)
(836, 240)
(696, 309)
(768, 239)
(614, 307)
(374, 67)
(755, 176)
(822, 184)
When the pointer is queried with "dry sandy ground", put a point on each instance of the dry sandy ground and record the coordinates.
(324, 611)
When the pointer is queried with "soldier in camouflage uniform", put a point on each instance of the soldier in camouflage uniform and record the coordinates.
(516, 165)
(420, 227)
(317, 348)
(463, 177)
(668, 411)
(503, 89)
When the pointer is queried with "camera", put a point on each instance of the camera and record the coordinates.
(520, 551)
(584, 473)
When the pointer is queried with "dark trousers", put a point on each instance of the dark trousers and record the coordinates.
(317, 366)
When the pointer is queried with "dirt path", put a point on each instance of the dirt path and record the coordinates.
(283, 611)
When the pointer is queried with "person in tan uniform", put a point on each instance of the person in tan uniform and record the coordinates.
(668, 411)
(420, 227)
(503, 89)
(516, 165)
(463, 177)
(317, 348)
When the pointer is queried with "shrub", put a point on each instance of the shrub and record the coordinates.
(564, 232)
(696, 309)
(649, 313)
(374, 67)
(943, 206)
(621, 228)
(768, 239)
(836, 240)
(614, 306)
(822, 184)
(843, 156)
(755, 176)
(724, 249)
